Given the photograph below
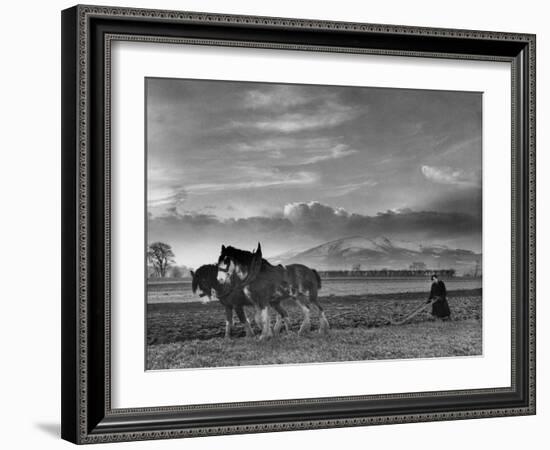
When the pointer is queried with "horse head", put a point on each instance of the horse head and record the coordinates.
(240, 264)
(205, 280)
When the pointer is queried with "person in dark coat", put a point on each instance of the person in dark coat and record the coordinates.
(438, 294)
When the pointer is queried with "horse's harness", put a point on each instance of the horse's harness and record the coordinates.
(251, 275)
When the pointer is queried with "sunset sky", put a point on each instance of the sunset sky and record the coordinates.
(294, 166)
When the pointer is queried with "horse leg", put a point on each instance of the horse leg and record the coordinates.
(278, 325)
(266, 325)
(261, 311)
(282, 318)
(244, 320)
(228, 321)
(323, 322)
(258, 317)
(306, 323)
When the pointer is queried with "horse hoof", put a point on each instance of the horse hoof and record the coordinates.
(304, 329)
(264, 337)
(324, 327)
(249, 332)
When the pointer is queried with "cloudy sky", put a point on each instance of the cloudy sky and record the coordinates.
(294, 166)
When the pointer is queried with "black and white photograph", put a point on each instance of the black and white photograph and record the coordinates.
(292, 223)
(278, 220)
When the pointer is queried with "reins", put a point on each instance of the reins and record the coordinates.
(253, 272)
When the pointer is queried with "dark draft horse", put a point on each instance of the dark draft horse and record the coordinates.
(301, 280)
(264, 284)
(205, 279)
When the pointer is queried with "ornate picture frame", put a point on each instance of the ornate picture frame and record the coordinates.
(88, 33)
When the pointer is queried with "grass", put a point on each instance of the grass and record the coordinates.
(426, 339)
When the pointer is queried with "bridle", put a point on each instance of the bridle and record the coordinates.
(253, 271)
(224, 270)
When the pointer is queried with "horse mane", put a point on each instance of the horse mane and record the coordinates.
(207, 269)
(243, 257)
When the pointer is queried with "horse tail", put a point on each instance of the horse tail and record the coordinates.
(318, 278)
(195, 283)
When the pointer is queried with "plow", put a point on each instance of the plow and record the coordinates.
(389, 321)
(412, 314)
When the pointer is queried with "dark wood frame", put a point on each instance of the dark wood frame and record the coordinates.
(87, 32)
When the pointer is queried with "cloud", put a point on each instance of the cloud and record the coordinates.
(327, 114)
(296, 151)
(276, 97)
(161, 198)
(466, 200)
(287, 143)
(307, 213)
(167, 196)
(196, 237)
(303, 222)
(449, 175)
(470, 144)
(344, 189)
(329, 222)
(260, 146)
(431, 224)
(340, 151)
(259, 178)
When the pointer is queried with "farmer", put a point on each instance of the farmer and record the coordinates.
(438, 294)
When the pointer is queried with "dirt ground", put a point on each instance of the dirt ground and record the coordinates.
(191, 334)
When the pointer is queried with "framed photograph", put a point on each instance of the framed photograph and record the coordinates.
(278, 224)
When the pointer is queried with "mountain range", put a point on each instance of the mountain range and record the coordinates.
(380, 253)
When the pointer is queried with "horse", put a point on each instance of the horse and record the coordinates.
(262, 283)
(301, 280)
(265, 284)
(205, 279)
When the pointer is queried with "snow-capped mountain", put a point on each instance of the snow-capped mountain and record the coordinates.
(379, 253)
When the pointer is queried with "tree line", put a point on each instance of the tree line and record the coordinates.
(386, 273)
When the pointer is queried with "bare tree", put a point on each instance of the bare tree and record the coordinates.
(160, 255)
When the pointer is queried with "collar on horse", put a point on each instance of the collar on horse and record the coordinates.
(252, 273)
